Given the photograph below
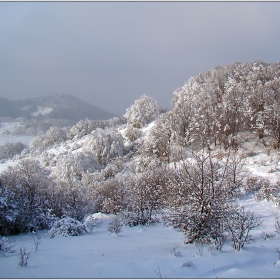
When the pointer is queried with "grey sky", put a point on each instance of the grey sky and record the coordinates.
(110, 53)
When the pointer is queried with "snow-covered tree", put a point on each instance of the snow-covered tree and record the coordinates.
(144, 110)
(8, 211)
(200, 192)
(105, 144)
(159, 140)
(27, 184)
(145, 192)
(11, 149)
(132, 133)
(70, 196)
(239, 224)
(53, 136)
(82, 128)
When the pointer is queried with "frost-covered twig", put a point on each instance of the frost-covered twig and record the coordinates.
(174, 252)
(158, 273)
(6, 247)
(24, 255)
(115, 226)
(36, 239)
(277, 250)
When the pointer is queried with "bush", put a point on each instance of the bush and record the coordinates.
(70, 197)
(132, 133)
(67, 227)
(144, 197)
(144, 110)
(133, 219)
(90, 222)
(24, 204)
(263, 188)
(200, 191)
(6, 247)
(253, 184)
(115, 226)
(53, 136)
(239, 225)
(105, 144)
(11, 149)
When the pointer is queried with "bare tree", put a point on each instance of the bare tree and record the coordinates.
(239, 225)
(203, 207)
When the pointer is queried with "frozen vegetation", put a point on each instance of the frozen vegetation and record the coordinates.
(189, 193)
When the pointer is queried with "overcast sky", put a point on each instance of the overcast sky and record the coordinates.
(110, 53)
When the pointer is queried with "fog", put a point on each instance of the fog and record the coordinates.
(110, 53)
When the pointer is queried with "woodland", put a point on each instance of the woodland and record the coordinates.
(184, 168)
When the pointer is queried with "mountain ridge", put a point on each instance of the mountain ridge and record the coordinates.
(53, 106)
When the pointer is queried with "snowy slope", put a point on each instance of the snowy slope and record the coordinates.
(154, 251)
(7, 138)
(41, 110)
(142, 252)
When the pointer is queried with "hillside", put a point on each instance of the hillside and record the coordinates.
(195, 191)
(60, 106)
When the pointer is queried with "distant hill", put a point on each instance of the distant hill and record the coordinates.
(59, 106)
(8, 108)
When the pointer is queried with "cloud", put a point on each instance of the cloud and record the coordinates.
(110, 53)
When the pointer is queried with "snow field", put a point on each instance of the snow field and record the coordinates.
(152, 251)
(144, 252)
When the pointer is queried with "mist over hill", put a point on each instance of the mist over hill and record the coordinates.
(59, 106)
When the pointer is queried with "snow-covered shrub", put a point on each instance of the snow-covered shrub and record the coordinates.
(105, 144)
(25, 189)
(67, 227)
(91, 222)
(82, 128)
(200, 190)
(144, 194)
(6, 247)
(133, 218)
(144, 110)
(36, 239)
(254, 183)
(267, 235)
(216, 244)
(53, 136)
(8, 211)
(112, 169)
(159, 140)
(70, 197)
(174, 252)
(110, 196)
(132, 133)
(87, 161)
(237, 174)
(11, 149)
(24, 256)
(144, 163)
(115, 226)
(239, 224)
(267, 190)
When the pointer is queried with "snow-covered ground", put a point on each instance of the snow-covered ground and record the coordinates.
(5, 137)
(41, 110)
(145, 252)
(154, 251)
(24, 139)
